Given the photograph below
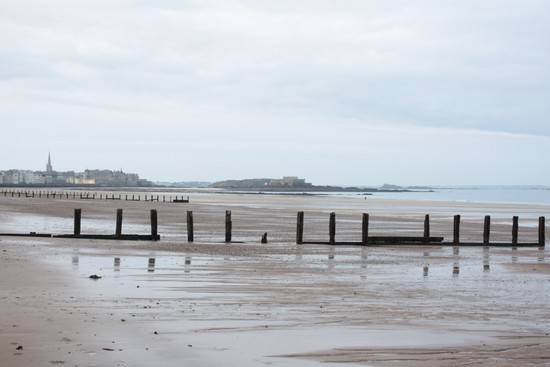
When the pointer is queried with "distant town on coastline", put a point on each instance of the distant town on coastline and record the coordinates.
(50, 177)
(109, 178)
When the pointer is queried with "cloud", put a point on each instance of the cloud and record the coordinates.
(251, 75)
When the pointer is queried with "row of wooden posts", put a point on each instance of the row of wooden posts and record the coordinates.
(92, 196)
(426, 238)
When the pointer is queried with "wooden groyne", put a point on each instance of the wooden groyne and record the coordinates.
(80, 195)
(118, 235)
(426, 239)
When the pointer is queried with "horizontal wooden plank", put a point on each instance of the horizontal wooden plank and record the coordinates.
(31, 234)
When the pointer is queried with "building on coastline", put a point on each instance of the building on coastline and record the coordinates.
(50, 177)
(107, 178)
(49, 167)
(287, 181)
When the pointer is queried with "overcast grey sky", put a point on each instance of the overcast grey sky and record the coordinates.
(337, 92)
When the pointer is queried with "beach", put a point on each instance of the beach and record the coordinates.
(210, 303)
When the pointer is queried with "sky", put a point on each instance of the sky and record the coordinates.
(347, 92)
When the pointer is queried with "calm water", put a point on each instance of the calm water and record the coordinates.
(488, 195)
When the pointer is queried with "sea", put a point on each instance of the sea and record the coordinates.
(513, 195)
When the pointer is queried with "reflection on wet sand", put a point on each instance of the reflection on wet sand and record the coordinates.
(333, 262)
(187, 264)
(426, 264)
(299, 252)
(486, 260)
(364, 257)
(331, 257)
(456, 263)
(151, 265)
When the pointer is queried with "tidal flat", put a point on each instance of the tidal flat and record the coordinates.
(210, 303)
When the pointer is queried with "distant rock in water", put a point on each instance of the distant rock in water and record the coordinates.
(391, 187)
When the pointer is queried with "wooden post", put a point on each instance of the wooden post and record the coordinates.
(154, 224)
(456, 230)
(264, 238)
(190, 234)
(119, 222)
(228, 226)
(515, 226)
(77, 217)
(300, 229)
(487, 229)
(542, 232)
(365, 229)
(332, 228)
(427, 228)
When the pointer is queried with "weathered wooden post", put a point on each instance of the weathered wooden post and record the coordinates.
(154, 225)
(118, 222)
(77, 217)
(332, 228)
(542, 232)
(456, 230)
(300, 229)
(515, 227)
(427, 228)
(228, 226)
(365, 229)
(190, 235)
(487, 229)
(264, 238)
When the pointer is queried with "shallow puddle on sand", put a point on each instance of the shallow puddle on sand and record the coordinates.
(244, 310)
(170, 271)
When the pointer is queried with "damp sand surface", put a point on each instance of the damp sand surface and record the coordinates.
(171, 303)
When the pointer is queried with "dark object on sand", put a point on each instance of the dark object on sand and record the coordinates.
(19, 347)
(95, 276)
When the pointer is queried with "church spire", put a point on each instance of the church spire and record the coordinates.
(49, 165)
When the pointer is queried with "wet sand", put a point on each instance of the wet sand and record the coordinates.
(171, 303)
